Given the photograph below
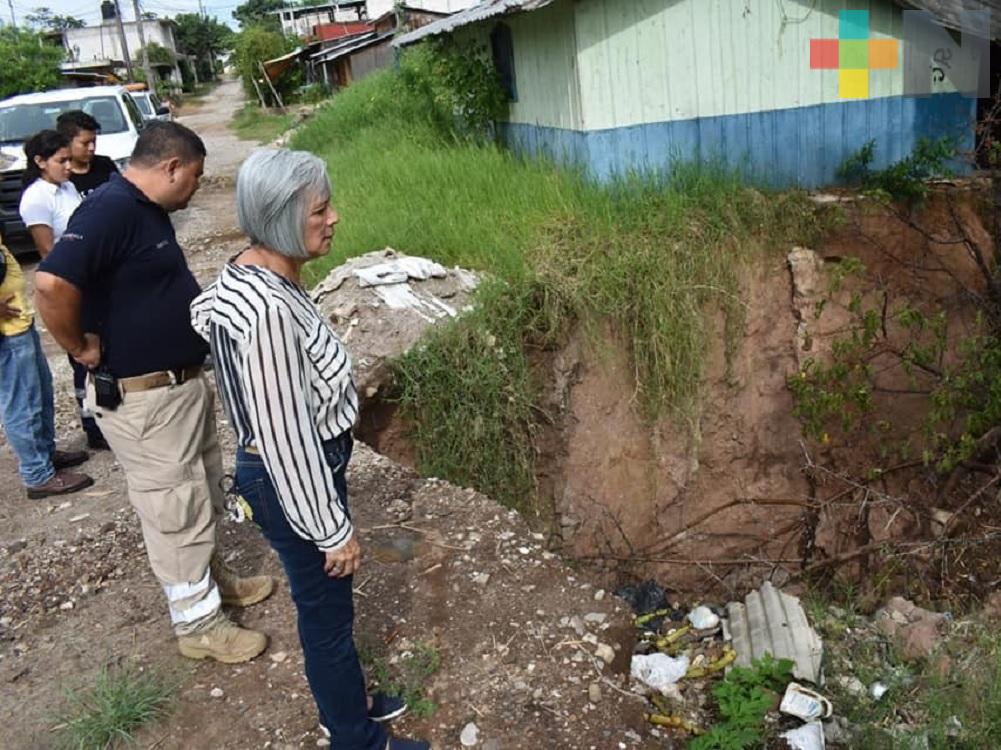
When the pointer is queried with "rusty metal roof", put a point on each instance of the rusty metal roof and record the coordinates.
(481, 12)
(949, 12)
(770, 621)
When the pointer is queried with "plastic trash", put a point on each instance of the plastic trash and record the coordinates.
(658, 671)
(805, 704)
(703, 618)
(877, 690)
(643, 597)
(807, 737)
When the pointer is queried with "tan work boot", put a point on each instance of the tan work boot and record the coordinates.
(240, 592)
(223, 640)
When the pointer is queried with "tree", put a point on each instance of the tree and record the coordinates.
(158, 54)
(148, 15)
(257, 44)
(259, 13)
(44, 19)
(30, 63)
(202, 37)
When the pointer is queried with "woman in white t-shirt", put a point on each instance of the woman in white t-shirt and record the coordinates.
(49, 198)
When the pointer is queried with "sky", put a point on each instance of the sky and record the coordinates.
(89, 11)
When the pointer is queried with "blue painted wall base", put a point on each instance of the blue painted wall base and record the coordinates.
(801, 147)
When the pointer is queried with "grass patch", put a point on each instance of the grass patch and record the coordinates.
(657, 257)
(407, 677)
(200, 93)
(255, 124)
(956, 708)
(106, 713)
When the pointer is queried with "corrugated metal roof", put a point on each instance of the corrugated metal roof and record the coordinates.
(329, 55)
(772, 622)
(483, 11)
(949, 12)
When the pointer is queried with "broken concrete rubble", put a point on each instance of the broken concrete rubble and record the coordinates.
(382, 303)
(917, 632)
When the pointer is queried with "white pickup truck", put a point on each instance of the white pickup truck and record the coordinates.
(23, 116)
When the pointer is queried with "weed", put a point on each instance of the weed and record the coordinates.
(902, 180)
(407, 678)
(655, 256)
(107, 712)
(255, 124)
(956, 708)
(743, 697)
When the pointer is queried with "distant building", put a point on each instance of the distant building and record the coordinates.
(351, 51)
(302, 21)
(784, 92)
(99, 48)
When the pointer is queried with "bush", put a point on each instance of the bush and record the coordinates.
(905, 179)
(255, 45)
(30, 62)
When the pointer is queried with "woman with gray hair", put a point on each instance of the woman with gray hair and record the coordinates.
(285, 382)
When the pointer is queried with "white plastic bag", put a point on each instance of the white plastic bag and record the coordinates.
(658, 671)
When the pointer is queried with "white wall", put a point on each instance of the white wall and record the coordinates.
(103, 43)
(377, 8)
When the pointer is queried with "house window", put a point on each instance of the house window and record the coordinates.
(502, 47)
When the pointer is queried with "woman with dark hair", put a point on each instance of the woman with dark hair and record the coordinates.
(49, 198)
(48, 201)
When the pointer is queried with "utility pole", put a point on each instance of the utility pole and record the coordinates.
(147, 68)
(125, 44)
(13, 20)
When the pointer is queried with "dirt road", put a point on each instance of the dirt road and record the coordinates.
(448, 572)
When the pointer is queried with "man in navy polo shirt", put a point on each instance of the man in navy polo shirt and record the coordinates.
(118, 270)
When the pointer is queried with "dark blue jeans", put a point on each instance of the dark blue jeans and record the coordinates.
(325, 605)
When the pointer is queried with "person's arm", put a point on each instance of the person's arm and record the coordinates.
(58, 302)
(7, 310)
(43, 237)
(37, 210)
(277, 391)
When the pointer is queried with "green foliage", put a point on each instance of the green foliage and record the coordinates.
(468, 393)
(255, 124)
(652, 256)
(256, 44)
(407, 678)
(203, 37)
(959, 709)
(31, 63)
(45, 20)
(905, 179)
(743, 698)
(258, 13)
(107, 712)
(158, 54)
(461, 83)
(313, 93)
(961, 378)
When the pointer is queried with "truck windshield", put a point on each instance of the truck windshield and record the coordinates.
(21, 121)
(143, 103)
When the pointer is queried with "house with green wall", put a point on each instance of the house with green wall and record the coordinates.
(782, 90)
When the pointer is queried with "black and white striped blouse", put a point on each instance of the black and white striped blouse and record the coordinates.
(285, 382)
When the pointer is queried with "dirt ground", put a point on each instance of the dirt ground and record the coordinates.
(447, 568)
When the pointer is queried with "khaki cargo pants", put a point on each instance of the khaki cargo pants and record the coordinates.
(165, 439)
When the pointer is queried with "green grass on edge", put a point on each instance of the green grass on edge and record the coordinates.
(255, 124)
(113, 707)
(657, 257)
